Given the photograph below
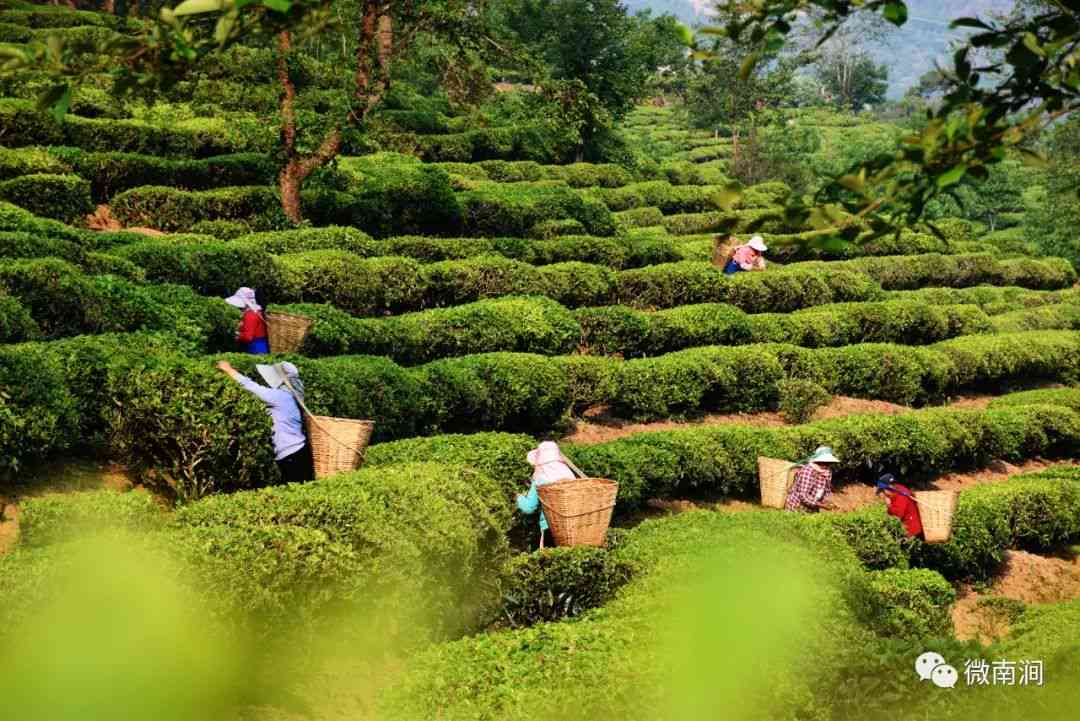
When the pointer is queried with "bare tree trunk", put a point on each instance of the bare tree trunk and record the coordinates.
(373, 54)
(297, 167)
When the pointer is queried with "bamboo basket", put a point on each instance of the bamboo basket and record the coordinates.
(775, 478)
(286, 331)
(723, 247)
(337, 444)
(936, 512)
(578, 512)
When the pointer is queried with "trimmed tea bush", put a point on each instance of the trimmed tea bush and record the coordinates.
(111, 173)
(299, 240)
(722, 459)
(184, 427)
(400, 199)
(506, 391)
(910, 603)
(417, 533)
(512, 209)
(16, 323)
(170, 209)
(800, 399)
(559, 583)
(1063, 316)
(905, 272)
(37, 413)
(62, 197)
(498, 455)
(211, 268)
(1069, 397)
(361, 286)
(59, 517)
(15, 162)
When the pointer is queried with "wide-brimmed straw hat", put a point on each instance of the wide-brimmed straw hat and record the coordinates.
(823, 454)
(758, 244)
(546, 452)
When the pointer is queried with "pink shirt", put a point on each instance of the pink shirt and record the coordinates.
(748, 258)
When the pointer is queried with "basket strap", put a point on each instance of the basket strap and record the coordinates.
(573, 468)
(318, 425)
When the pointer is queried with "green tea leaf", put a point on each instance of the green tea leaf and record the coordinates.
(198, 7)
(951, 176)
(896, 13)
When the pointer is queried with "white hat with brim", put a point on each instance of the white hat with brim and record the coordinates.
(243, 298)
(758, 244)
(275, 374)
(546, 452)
(823, 454)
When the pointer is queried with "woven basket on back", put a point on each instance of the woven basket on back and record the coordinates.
(579, 511)
(337, 444)
(286, 331)
(936, 512)
(775, 477)
(723, 247)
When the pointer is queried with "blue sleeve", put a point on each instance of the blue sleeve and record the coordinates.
(266, 395)
(530, 502)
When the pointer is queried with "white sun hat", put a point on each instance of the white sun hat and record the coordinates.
(758, 244)
(243, 298)
(823, 454)
(546, 452)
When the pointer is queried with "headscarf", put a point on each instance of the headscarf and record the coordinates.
(276, 374)
(244, 298)
(293, 374)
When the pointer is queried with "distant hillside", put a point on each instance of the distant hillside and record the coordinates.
(912, 50)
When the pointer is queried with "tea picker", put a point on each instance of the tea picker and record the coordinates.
(576, 509)
(291, 450)
(251, 335)
(926, 512)
(336, 444)
(805, 485)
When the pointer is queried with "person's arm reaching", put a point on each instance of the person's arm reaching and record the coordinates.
(530, 502)
(263, 393)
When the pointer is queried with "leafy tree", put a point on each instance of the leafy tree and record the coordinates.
(842, 64)
(718, 97)
(1052, 221)
(994, 201)
(852, 79)
(596, 42)
(989, 107)
(167, 48)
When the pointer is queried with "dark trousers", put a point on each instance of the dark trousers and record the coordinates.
(297, 467)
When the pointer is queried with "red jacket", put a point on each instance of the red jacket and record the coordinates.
(252, 327)
(906, 509)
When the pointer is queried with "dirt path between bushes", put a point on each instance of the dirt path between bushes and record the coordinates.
(984, 615)
(855, 496)
(598, 425)
(56, 477)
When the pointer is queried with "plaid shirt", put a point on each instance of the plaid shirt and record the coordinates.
(748, 258)
(813, 485)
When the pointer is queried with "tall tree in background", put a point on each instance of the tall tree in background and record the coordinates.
(384, 31)
(990, 106)
(597, 43)
(1051, 224)
(718, 97)
(851, 78)
(157, 54)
